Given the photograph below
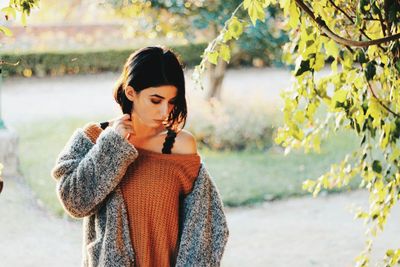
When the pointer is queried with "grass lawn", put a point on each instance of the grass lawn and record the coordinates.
(242, 177)
(250, 177)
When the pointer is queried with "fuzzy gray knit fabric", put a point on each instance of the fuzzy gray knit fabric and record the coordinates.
(88, 176)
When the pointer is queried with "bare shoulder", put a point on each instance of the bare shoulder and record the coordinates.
(185, 143)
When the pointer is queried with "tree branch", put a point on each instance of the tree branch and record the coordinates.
(341, 10)
(2, 62)
(348, 16)
(382, 24)
(380, 101)
(347, 42)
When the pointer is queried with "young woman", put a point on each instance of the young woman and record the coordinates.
(138, 181)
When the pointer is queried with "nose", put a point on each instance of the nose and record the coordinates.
(164, 111)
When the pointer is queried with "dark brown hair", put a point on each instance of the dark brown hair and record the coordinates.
(153, 66)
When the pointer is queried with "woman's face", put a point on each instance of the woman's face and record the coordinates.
(154, 104)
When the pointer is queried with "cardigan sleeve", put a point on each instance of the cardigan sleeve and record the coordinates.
(87, 172)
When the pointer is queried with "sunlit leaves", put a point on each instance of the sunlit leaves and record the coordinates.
(9, 12)
(370, 70)
(221, 48)
(392, 257)
(6, 31)
(331, 48)
(213, 57)
(361, 93)
(235, 29)
(225, 52)
(363, 85)
(22, 7)
(255, 9)
(294, 14)
(303, 67)
(376, 112)
(377, 167)
(338, 176)
(338, 98)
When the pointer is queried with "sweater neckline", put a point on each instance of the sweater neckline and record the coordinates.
(161, 155)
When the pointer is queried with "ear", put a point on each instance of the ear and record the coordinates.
(130, 93)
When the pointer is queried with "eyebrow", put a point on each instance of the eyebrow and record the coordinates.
(162, 96)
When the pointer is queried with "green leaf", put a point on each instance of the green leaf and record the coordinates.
(319, 61)
(294, 15)
(235, 28)
(331, 48)
(360, 56)
(308, 185)
(299, 116)
(213, 57)
(255, 10)
(225, 52)
(370, 70)
(339, 96)
(377, 166)
(364, 6)
(304, 66)
(285, 5)
(10, 11)
(384, 140)
(375, 110)
(395, 155)
(246, 4)
(227, 36)
(6, 31)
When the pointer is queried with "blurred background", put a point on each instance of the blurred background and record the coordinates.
(60, 74)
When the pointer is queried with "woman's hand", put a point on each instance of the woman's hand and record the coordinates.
(123, 125)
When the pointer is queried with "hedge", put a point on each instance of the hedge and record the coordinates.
(84, 62)
(60, 63)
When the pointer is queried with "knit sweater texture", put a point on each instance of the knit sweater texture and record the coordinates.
(152, 189)
(89, 176)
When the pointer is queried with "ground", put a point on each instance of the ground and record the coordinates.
(295, 232)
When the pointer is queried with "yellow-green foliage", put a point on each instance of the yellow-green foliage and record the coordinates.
(359, 42)
(21, 7)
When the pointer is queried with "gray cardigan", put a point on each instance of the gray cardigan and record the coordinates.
(88, 176)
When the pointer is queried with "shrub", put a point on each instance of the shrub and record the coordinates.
(61, 63)
(84, 62)
(233, 124)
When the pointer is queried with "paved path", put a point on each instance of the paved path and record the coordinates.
(90, 95)
(30, 236)
(296, 232)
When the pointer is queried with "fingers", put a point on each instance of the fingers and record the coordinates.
(125, 117)
(124, 126)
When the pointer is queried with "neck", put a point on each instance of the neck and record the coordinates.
(143, 131)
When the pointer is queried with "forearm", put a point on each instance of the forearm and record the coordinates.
(87, 172)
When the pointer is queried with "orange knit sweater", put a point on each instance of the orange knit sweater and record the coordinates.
(153, 187)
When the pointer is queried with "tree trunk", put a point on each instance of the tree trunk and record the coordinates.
(216, 73)
(216, 76)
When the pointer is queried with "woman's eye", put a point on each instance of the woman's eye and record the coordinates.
(155, 102)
